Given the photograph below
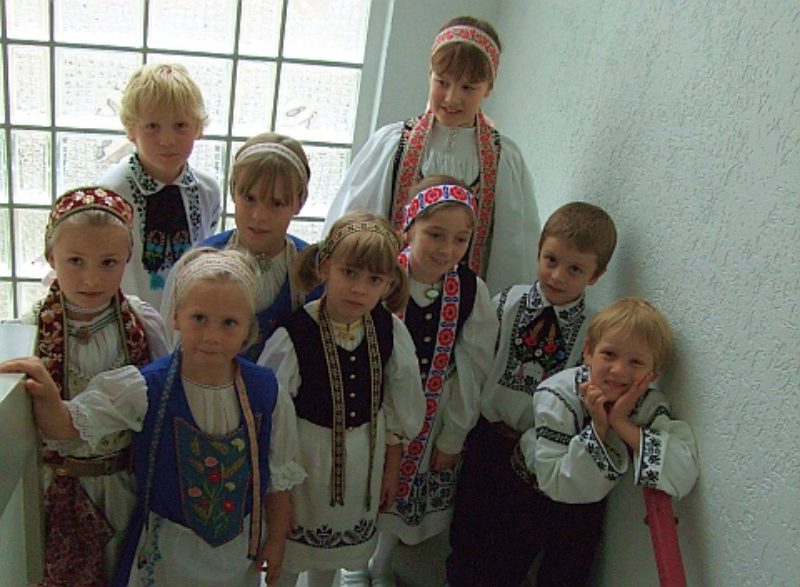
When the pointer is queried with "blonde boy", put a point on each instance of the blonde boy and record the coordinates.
(542, 327)
(587, 421)
(175, 205)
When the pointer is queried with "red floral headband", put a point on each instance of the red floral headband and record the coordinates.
(473, 36)
(89, 198)
(437, 194)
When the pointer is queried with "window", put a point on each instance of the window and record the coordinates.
(292, 66)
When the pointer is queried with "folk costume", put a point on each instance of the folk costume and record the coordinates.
(536, 340)
(401, 154)
(168, 220)
(568, 472)
(89, 491)
(356, 388)
(454, 328)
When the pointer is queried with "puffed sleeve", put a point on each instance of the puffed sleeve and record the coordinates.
(572, 465)
(280, 356)
(667, 458)
(515, 237)
(153, 327)
(366, 185)
(285, 471)
(403, 400)
(113, 401)
(474, 353)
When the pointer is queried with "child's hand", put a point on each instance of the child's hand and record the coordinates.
(270, 558)
(443, 460)
(595, 402)
(622, 408)
(40, 384)
(390, 484)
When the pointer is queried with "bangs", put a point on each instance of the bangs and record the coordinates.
(262, 177)
(462, 61)
(367, 251)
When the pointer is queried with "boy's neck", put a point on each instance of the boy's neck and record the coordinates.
(161, 178)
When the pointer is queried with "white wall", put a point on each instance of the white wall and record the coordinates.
(682, 119)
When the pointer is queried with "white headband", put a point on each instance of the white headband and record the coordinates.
(286, 153)
(209, 266)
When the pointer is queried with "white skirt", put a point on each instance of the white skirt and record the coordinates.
(340, 536)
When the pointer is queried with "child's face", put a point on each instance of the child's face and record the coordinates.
(214, 320)
(89, 262)
(262, 219)
(438, 240)
(351, 292)
(618, 362)
(565, 271)
(455, 102)
(164, 141)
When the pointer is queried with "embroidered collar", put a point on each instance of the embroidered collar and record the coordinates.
(567, 314)
(148, 185)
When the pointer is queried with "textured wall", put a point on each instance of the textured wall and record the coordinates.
(682, 119)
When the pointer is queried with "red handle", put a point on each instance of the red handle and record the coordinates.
(663, 531)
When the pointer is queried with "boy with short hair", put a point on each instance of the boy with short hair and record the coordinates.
(590, 423)
(176, 206)
(542, 327)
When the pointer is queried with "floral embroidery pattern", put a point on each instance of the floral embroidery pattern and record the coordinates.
(326, 537)
(429, 493)
(595, 450)
(652, 453)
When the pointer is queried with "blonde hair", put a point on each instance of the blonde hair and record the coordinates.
(636, 318)
(90, 217)
(162, 86)
(210, 264)
(584, 226)
(364, 250)
(434, 180)
(463, 60)
(261, 170)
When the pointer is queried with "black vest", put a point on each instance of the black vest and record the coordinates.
(313, 401)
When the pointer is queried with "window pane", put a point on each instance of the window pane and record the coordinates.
(5, 242)
(3, 169)
(230, 223)
(260, 27)
(327, 171)
(30, 162)
(331, 31)
(255, 90)
(6, 301)
(318, 103)
(29, 228)
(311, 232)
(192, 25)
(97, 22)
(29, 82)
(28, 19)
(89, 85)
(2, 94)
(209, 156)
(81, 158)
(28, 294)
(213, 77)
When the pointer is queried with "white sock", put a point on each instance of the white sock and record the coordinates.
(317, 578)
(380, 565)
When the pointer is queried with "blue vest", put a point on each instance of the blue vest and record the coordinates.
(278, 313)
(181, 452)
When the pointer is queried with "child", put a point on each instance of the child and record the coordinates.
(205, 422)
(541, 332)
(454, 137)
(350, 367)
(86, 325)
(269, 184)
(587, 420)
(175, 205)
(453, 325)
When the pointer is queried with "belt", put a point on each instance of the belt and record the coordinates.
(90, 466)
(517, 461)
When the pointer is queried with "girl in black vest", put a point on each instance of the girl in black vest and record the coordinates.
(349, 365)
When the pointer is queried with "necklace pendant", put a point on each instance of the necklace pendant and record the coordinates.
(83, 335)
(432, 293)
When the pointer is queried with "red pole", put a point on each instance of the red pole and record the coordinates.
(663, 531)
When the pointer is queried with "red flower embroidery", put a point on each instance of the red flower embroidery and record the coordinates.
(451, 286)
(404, 489)
(440, 360)
(434, 383)
(550, 347)
(450, 312)
(408, 468)
(415, 448)
(430, 407)
(433, 195)
(214, 476)
(446, 336)
(228, 505)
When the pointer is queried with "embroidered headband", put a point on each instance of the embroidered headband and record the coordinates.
(437, 194)
(284, 152)
(209, 266)
(472, 36)
(88, 198)
(327, 246)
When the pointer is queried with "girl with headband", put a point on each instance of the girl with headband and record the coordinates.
(454, 137)
(211, 438)
(269, 186)
(453, 324)
(349, 365)
(86, 325)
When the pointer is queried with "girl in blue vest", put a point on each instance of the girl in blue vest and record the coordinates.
(350, 368)
(453, 323)
(269, 185)
(211, 438)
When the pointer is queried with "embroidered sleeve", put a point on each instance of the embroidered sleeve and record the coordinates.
(667, 458)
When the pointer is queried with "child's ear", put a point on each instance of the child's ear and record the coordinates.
(587, 354)
(597, 275)
(50, 261)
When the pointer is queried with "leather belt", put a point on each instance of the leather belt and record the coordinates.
(90, 466)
